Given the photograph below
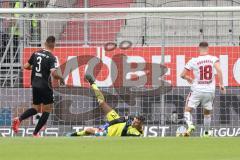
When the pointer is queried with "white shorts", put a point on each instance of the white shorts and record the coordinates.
(204, 98)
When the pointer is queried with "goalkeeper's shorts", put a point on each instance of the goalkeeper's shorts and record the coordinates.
(112, 115)
(116, 129)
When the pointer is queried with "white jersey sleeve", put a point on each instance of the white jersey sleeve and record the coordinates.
(190, 64)
(215, 59)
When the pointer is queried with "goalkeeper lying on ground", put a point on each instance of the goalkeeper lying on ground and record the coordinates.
(115, 125)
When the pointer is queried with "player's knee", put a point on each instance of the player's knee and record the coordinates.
(47, 109)
(37, 108)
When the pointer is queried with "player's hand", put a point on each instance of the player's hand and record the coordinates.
(190, 80)
(222, 89)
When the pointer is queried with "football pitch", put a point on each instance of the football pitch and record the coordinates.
(103, 148)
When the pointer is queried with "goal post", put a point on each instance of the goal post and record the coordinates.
(136, 56)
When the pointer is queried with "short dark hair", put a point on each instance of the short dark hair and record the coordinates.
(140, 118)
(203, 44)
(50, 41)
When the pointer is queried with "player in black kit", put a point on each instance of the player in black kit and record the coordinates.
(42, 63)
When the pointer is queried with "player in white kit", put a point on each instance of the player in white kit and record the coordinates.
(204, 68)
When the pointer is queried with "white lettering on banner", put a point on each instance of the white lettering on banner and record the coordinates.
(29, 131)
(236, 71)
(175, 59)
(149, 131)
(237, 132)
(77, 129)
(111, 66)
(72, 68)
(152, 130)
(167, 59)
(156, 71)
(224, 132)
(5, 132)
(23, 132)
(180, 67)
(112, 74)
(230, 133)
(155, 131)
(51, 132)
(137, 71)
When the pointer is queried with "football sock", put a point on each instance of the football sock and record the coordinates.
(207, 122)
(42, 121)
(28, 113)
(188, 118)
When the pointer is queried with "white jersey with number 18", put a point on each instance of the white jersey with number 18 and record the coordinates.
(204, 73)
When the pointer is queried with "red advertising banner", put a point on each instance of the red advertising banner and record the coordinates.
(119, 67)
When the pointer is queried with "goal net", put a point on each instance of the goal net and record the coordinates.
(136, 59)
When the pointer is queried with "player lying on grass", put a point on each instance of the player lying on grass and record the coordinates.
(103, 129)
(202, 86)
(115, 125)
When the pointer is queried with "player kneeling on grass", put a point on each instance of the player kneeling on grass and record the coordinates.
(116, 125)
(202, 86)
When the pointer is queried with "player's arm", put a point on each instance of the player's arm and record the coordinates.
(220, 76)
(55, 75)
(27, 66)
(138, 133)
(188, 67)
(184, 75)
(54, 72)
(133, 133)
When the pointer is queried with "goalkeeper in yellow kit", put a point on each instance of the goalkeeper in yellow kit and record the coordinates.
(115, 125)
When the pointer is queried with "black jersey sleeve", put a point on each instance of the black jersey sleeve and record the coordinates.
(52, 63)
(30, 61)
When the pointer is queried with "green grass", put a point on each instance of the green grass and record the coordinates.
(119, 149)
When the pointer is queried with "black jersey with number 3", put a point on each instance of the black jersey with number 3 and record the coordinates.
(42, 62)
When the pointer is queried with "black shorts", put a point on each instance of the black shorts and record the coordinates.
(42, 96)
